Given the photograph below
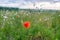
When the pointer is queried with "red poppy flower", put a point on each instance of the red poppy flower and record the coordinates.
(26, 24)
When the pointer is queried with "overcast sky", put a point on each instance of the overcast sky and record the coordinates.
(29, 3)
(25, 1)
(14, 1)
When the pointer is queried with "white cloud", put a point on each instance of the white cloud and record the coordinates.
(43, 5)
(9, 5)
(55, 6)
(55, 0)
(26, 5)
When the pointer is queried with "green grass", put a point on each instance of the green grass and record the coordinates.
(44, 25)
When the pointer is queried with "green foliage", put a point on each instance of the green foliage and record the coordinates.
(45, 25)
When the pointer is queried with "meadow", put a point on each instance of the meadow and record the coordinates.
(44, 24)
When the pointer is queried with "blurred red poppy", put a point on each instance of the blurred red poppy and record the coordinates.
(26, 24)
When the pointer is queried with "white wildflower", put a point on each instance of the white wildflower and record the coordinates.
(5, 17)
(39, 19)
(46, 19)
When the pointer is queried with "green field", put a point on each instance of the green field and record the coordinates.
(44, 25)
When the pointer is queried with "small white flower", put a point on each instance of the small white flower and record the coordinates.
(5, 17)
(39, 19)
(27, 14)
(46, 19)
